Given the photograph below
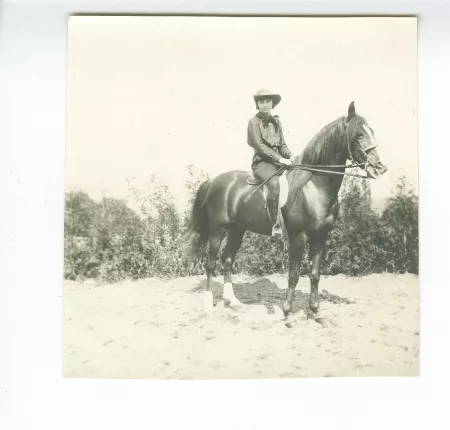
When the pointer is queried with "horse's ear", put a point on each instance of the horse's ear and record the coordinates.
(351, 111)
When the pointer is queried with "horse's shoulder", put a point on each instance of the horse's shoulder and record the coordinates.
(242, 173)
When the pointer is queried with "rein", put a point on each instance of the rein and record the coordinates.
(322, 167)
(316, 168)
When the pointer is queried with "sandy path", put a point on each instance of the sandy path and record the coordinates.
(157, 329)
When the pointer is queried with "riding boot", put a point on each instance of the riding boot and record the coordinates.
(272, 206)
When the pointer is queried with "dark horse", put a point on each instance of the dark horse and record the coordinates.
(309, 213)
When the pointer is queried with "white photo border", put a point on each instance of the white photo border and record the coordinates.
(33, 56)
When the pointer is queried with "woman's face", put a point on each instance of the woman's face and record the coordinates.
(265, 105)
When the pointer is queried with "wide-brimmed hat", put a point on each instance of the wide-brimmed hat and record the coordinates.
(264, 94)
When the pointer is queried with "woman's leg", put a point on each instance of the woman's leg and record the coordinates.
(264, 171)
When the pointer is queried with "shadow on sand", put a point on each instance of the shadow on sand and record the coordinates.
(267, 293)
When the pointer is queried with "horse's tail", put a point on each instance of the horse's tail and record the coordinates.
(197, 233)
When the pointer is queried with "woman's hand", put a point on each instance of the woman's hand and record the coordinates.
(285, 161)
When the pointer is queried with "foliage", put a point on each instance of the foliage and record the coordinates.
(196, 178)
(400, 223)
(109, 241)
(363, 242)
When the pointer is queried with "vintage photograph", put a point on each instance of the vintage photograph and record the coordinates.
(241, 198)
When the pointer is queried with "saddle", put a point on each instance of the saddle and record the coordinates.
(284, 187)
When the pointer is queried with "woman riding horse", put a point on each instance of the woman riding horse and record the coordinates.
(222, 205)
(265, 136)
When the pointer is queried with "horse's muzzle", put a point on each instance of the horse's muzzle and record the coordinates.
(375, 171)
(383, 169)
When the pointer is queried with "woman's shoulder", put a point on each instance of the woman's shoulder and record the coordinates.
(254, 119)
(277, 120)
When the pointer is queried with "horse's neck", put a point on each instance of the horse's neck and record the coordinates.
(337, 156)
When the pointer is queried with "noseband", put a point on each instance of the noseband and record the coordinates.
(365, 151)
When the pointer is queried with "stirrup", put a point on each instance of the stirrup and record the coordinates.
(277, 231)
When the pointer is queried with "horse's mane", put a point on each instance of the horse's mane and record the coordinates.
(321, 148)
(318, 151)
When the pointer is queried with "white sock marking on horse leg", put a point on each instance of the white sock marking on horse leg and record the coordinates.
(228, 294)
(209, 306)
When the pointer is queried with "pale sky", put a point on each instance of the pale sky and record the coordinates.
(154, 94)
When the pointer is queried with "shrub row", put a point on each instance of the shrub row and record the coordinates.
(109, 241)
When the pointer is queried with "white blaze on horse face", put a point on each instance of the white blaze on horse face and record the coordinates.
(369, 133)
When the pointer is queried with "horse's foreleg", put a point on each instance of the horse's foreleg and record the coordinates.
(215, 241)
(296, 249)
(316, 253)
(234, 241)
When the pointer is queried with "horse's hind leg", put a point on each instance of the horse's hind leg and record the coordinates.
(234, 240)
(215, 240)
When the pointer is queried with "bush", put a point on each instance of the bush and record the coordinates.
(400, 233)
(98, 237)
(109, 241)
(363, 242)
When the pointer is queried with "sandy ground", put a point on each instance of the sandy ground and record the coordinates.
(158, 329)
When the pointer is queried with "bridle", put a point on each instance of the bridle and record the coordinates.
(365, 150)
(322, 167)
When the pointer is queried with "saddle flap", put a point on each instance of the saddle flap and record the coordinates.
(284, 190)
(284, 187)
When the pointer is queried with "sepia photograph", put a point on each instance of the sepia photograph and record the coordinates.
(241, 198)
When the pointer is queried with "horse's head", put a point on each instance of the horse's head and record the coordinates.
(362, 147)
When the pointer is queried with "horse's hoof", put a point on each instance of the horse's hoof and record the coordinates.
(290, 322)
(233, 304)
(310, 315)
(323, 322)
(287, 311)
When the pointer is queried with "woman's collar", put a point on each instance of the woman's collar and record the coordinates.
(266, 116)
